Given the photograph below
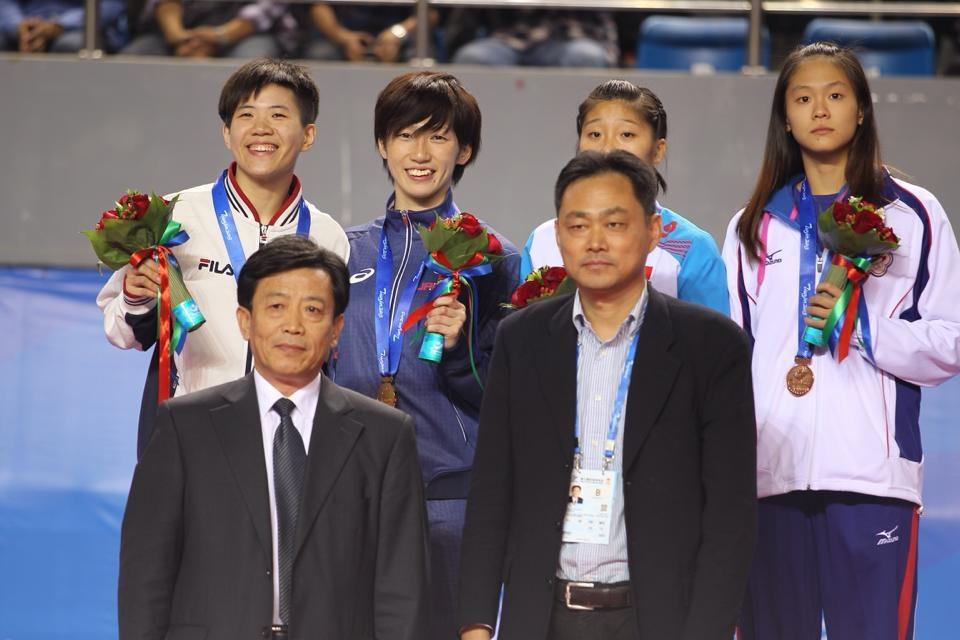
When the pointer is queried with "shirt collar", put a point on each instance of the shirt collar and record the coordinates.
(287, 212)
(630, 325)
(305, 397)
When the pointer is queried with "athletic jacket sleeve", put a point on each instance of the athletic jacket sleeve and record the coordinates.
(702, 277)
(129, 323)
(526, 260)
(740, 304)
(921, 344)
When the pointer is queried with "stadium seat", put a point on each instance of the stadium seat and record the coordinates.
(891, 48)
(671, 42)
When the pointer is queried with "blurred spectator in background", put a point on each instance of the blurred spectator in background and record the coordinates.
(36, 26)
(361, 32)
(209, 28)
(548, 38)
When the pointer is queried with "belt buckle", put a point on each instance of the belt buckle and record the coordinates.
(566, 596)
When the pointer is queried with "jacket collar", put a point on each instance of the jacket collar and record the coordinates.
(654, 372)
(237, 425)
(394, 217)
(783, 203)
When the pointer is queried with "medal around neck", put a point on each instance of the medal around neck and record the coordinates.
(800, 377)
(387, 393)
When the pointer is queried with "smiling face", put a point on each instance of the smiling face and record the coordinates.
(421, 164)
(615, 125)
(266, 136)
(291, 326)
(604, 235)
(821, 110)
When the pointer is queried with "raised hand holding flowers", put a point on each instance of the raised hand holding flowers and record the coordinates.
(855, 233)
(140, 231)
(460, 249)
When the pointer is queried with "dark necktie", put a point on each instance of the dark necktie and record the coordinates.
(289, 460)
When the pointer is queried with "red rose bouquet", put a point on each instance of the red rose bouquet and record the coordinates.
(540, 284)
(459, 249)
(855, 233)
(138, 228)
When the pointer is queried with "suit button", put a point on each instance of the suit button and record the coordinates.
(265, 634)
(550, 582)
(559, 524)
(268, 572)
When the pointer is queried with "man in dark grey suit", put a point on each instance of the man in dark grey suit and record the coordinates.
(279, 505)
(643, 401)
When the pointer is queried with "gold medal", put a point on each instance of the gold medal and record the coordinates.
(387, 393)
(800, 377)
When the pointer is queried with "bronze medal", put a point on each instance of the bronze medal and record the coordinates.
(800, 377)
(387, 393)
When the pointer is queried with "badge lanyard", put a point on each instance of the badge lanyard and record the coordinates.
(619, 402)
(389, 321)
(228, 227)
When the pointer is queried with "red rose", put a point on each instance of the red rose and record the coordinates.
(493, 244)
(866, 220)
(133, 206)
(106, 215)
(470, 225)
(553, 277)
(840, 211)
(525, 293)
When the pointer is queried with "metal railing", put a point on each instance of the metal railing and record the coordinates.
(754, 9)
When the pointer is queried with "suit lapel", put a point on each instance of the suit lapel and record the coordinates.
(556, 360)
(654, 372)
(237, 425)
(332, 440)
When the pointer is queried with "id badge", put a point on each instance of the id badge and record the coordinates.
(590, 506)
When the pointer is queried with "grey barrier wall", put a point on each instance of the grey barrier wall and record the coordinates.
(79, 132)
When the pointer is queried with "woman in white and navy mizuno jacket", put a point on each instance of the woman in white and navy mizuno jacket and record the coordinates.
(839, 462)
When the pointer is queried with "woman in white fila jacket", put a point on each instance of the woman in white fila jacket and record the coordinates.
(839, 461)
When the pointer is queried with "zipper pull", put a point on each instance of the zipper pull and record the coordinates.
(820, 262)
(404, 214)
(263, 234)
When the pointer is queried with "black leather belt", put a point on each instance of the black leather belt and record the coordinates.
(587, 596)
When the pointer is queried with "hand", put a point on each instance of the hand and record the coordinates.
(142, 281)
(354, 44)
(447, 318)
(201, 42)
(387, 47)
(821, 305)
(35, 34)
(475, 634)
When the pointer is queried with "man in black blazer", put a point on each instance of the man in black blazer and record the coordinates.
(279, 505)
(664, 554)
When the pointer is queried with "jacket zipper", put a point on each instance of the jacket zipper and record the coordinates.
(456, 413)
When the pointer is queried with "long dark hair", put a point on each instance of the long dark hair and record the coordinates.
(645, 102)
(781, 157)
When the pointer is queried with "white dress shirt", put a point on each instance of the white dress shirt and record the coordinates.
(305, 400)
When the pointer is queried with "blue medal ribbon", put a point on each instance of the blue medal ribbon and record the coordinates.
(618, 404)
(228, 226)
(807, 221)
(389, 321)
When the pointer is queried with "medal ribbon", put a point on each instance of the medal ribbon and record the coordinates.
(228, 226)
(807, 222)
(172, 326)
(618, 404)
(389, 322)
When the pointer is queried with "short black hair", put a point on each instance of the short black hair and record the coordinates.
(434, 96)
(587, 164)
(250, 79)
(287, 253)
